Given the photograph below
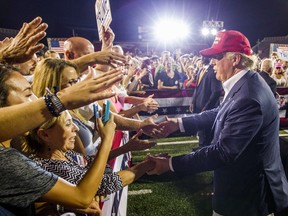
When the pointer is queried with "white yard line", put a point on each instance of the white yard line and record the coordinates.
(178, 142)
(140, 192)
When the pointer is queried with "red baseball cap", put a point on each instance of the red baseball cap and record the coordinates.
(228, 41)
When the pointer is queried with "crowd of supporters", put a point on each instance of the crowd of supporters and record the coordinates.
(75, 138)
(176, 70)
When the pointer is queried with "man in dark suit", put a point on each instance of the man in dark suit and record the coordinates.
(244, 153)
(206, 96)
(266, 71)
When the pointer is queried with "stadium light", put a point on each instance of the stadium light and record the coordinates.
(211, 27)
(205, 31)
(213, 31)
(169, 30)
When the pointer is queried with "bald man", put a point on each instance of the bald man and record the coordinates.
(76, 47)
(266, 71)
(81, 52)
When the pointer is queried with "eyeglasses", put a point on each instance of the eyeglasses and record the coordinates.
(219, 56)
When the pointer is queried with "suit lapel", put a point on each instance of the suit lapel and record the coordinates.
(238, 86)
(233, 91)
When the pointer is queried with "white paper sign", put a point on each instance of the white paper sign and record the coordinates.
(103, 15)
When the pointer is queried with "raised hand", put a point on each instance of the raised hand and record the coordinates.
(141, 73)
(108, 37)
(136, 144)
(88, 91)
(91, 74)
(132, 70)
(107, 57)
(6, 42)
(150, 104)
(107, 129)
(24, 45)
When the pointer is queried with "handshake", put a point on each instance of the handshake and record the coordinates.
(155, 164)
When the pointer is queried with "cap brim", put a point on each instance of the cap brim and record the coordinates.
(210, 52)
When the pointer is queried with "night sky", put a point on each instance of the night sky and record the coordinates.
(255, 18)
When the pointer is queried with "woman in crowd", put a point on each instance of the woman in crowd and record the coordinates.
(53, 144)
(169, 78)
(279, 76)
(23, 181)
(55, 74)
(190, 82)
(51, 73)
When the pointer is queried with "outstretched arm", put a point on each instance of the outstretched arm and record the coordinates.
(161, 165)
(16, 120)
(21, 48)
(108, 37)
(134, 144)
(105, 57)
(82, 195)
(147, 125)
(130, 175)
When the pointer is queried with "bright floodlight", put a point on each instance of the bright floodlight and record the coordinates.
(205, 31)
(213, 31)
(170, 30)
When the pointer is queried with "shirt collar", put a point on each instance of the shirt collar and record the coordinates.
(228, 84)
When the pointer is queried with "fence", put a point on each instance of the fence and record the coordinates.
(176, 102)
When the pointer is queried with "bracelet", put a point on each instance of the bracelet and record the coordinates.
(54, 104)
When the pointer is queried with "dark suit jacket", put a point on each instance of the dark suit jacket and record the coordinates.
(244, 153)
(206, 95)
(270, 81)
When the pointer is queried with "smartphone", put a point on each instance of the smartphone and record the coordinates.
(106, 111)
(96, 111)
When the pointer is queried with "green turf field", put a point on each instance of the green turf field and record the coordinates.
(169, 194)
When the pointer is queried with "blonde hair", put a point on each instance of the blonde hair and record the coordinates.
(246, 62)
(35, 143)
(48, 74)
(49, 54)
